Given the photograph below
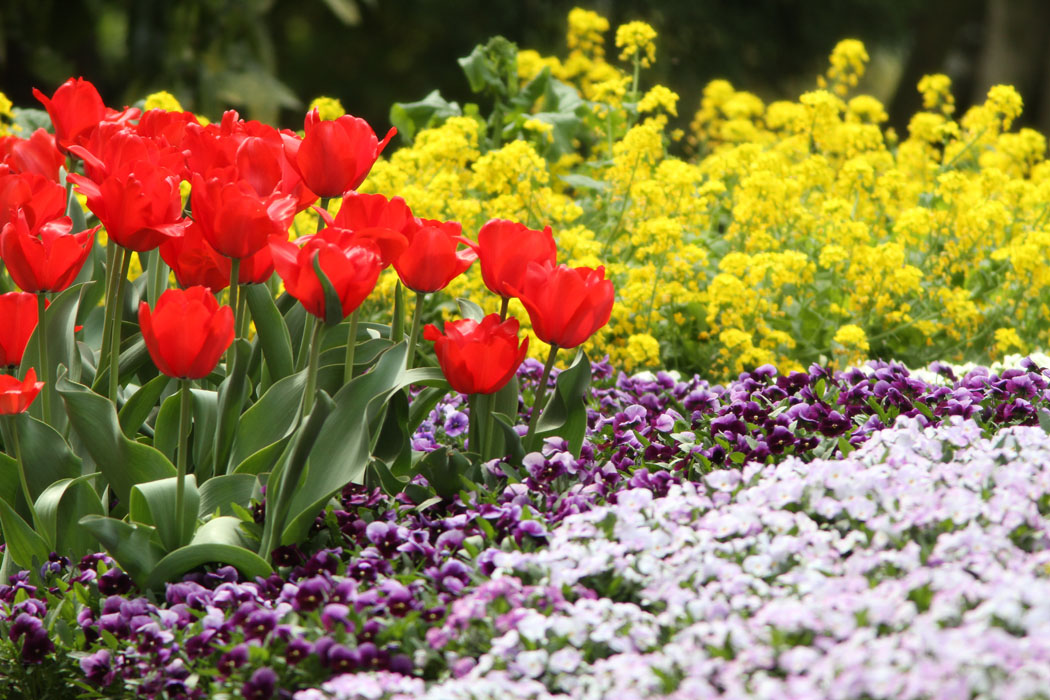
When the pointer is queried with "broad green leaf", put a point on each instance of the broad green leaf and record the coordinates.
(263, 460)
(232, 394)
(393, 443)
(205, 413)
(123, 462)
(133, 355)
(220, 492)
(153, 503)
(28, 549)
(272, 418)
(46, 456)
(138, 407)
(218, 541)
(59, 318)
(60, 508)
(130, 544)
(439, 474)
(166, 429)
(565, 414)
(272, 333)
(341, 453)
(412, 117)
(469, 309)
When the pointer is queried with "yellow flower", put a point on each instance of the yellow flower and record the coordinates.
(586, 30)
(643, 352)
(162, 100)
(659, 97)
(1007, 340)
(327, 107)
(637, 39)
(937, 93)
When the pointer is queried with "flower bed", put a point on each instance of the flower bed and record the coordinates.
(237, 463)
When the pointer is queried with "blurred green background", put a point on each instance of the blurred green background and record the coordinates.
(269, 58)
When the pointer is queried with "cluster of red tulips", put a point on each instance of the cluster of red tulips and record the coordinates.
(247, 182)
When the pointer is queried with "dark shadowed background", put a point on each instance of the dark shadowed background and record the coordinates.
(269, 58)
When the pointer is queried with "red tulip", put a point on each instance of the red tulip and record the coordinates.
(39, 198)
(194, 262)
(431, 260)
(187, 332)
(15, 395)
(566, 305)
(234, 219)
(19, 311)
(351, 266)
(76, 108)
(336, 155)
(36, 154)
(505, 249)
(478, 358)
(140, 204)
(50, 259)
(374, 216)
(114, 147)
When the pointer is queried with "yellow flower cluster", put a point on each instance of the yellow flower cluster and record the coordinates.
(327, 107)
(800, 231)
(162, 100)
(6, 115)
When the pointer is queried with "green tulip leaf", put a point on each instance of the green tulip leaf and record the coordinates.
(205, 413)
(512, 446)
(333, 305)
(138, 407)
(469, 309)
(565, 414)
(232, 394)
(263, 460)
(154, 503)
(393, 444)
(123, 462)
(272, 333)
(59, 319)
(218, 541)
(272, 418)
(133, 356)
(342, 451)
(131, 544)
(290, 470)
(28, 549)
(59, 510)
(166, 429)
(46, 456)
(439, 474)
(218, 493)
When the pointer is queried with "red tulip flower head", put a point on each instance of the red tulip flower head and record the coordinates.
(36, 154)
(352, 266)
(237, 221)
(374, 216)
(15, 395)
(139, 205)
(48, 261)
(478, 358)
(39, 198)
(196, 263)
(75, 109)
(505, 249)
(187, 332)
(19, 313)
(431, 260)
(566, 305)
(335, 155)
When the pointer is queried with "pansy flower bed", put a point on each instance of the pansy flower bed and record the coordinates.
(312, 415)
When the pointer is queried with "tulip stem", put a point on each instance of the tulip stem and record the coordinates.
(417, 317)
(481, 424)
(12, 426)
(304, 351)
(41, 341)
(158, 276)
(235, 304)
(320, 219)
(397, 323)
(541, 395)
(114, 354)
(351, 347)
(311, 369)
(111, 290)
(184, 440)
(503, 308)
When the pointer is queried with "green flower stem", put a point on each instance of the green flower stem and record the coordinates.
(235, 290)
(503, 308)
(114, 354)
(41, 341)
(311, 369)
(184, 447)
(541, 395)
(417, 317)
(483, 404)
(320, 219)
(112, 263)
(351, 347)
(158, 276)
(13, 430)
(397, 323)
